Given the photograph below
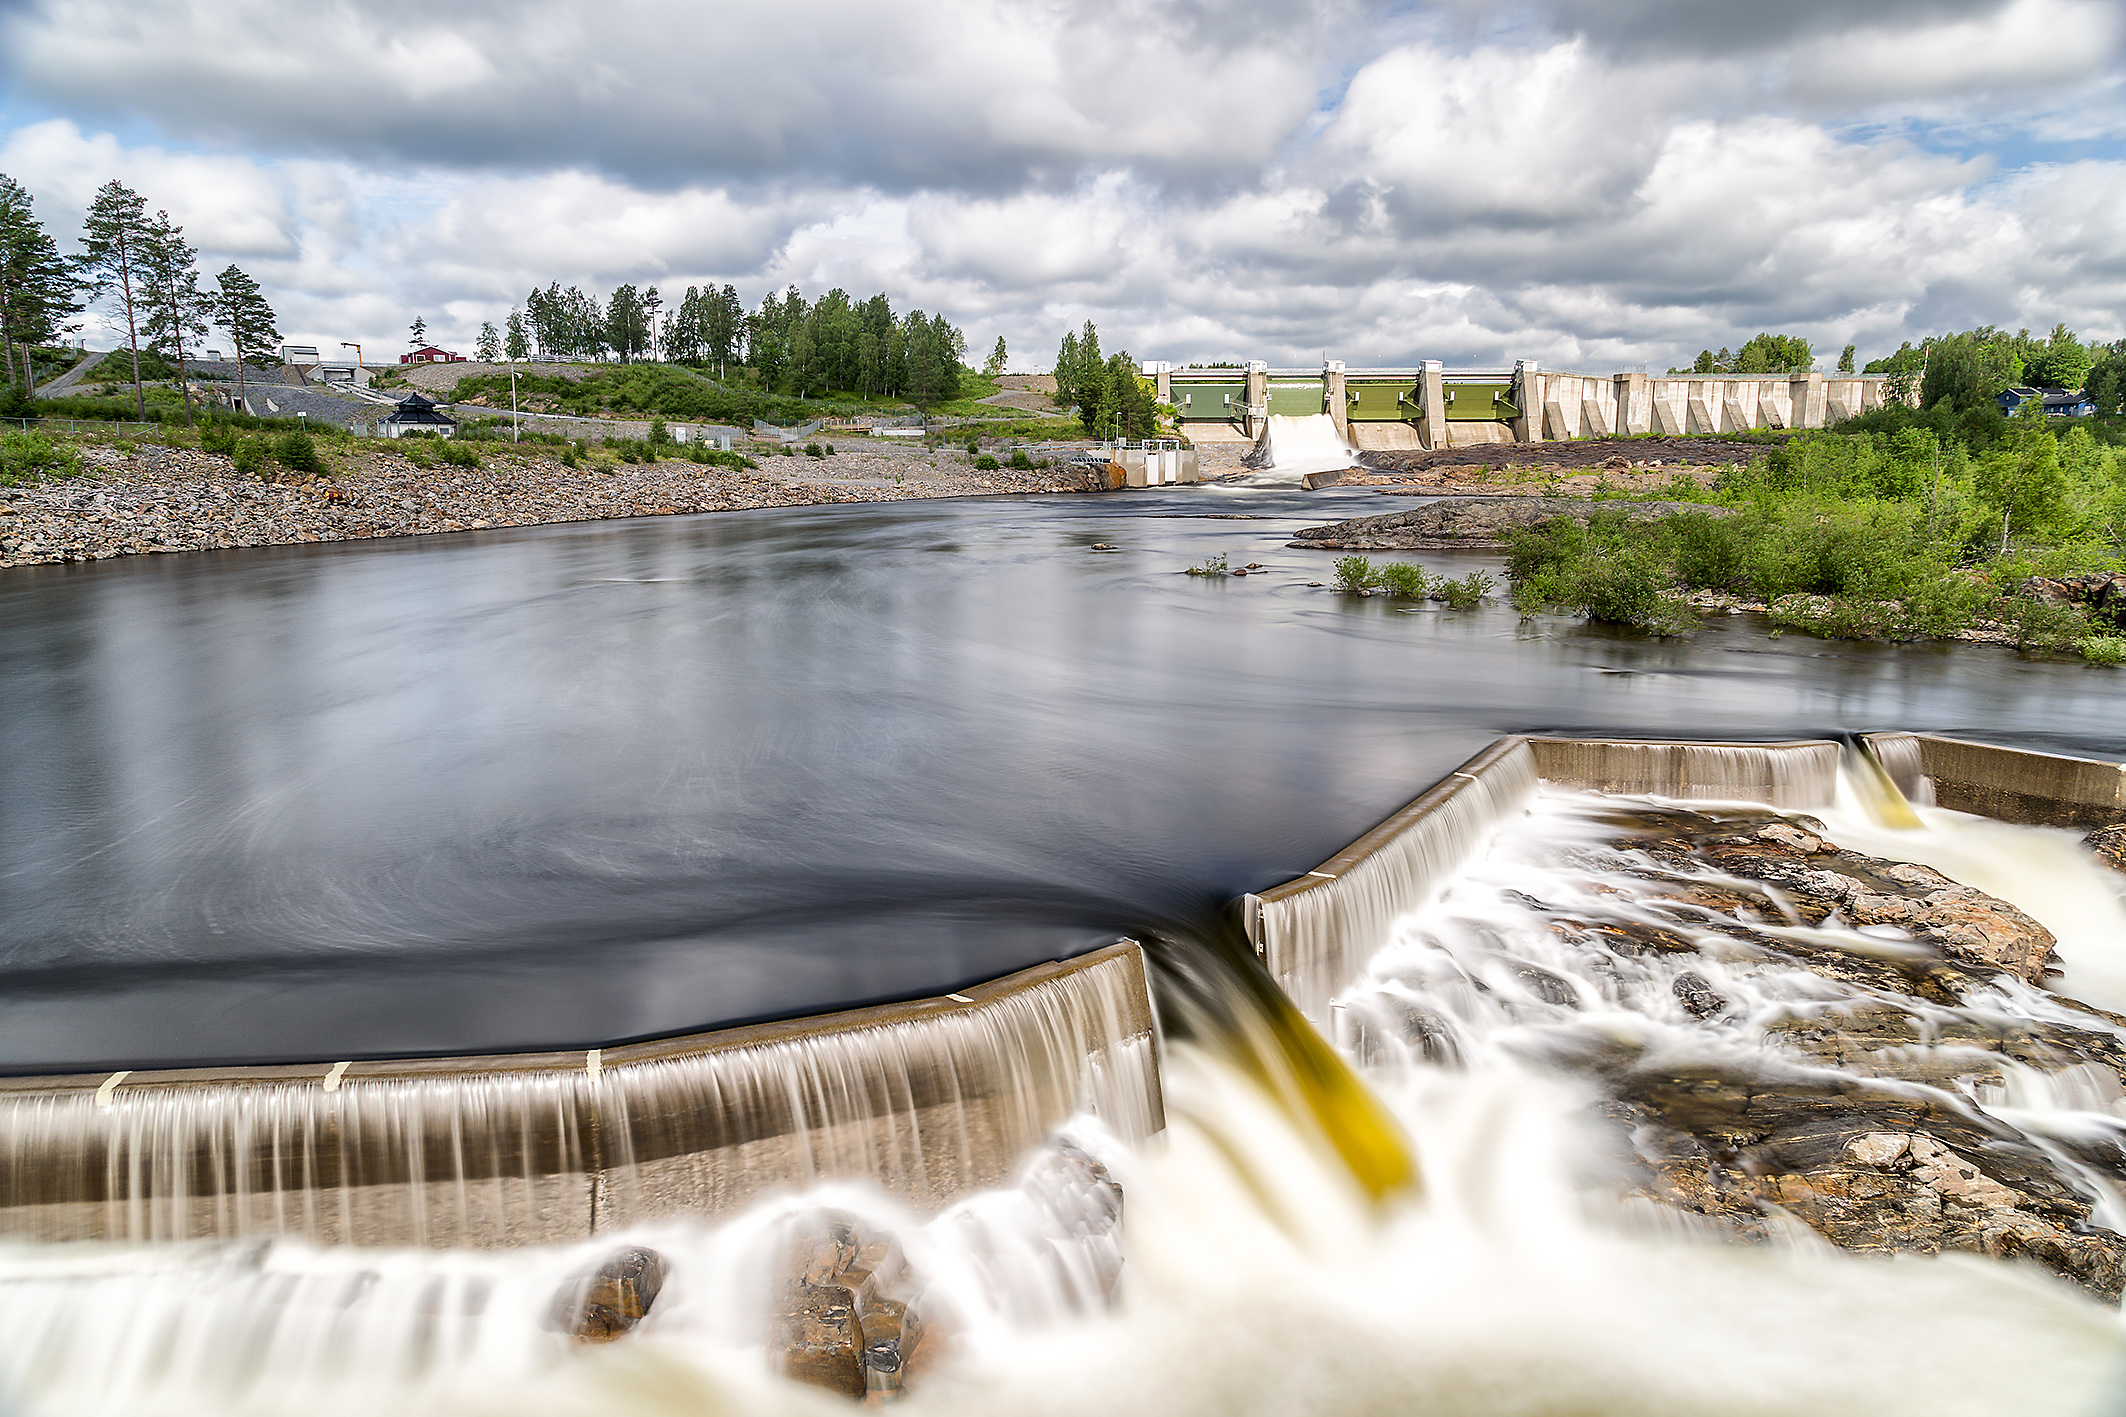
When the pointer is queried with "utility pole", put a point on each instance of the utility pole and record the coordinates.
(516, 424)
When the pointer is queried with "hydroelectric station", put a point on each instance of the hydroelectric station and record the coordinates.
(1431, 406)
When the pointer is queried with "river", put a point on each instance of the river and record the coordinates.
(568, 785)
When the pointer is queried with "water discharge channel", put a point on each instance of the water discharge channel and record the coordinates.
(569, 786)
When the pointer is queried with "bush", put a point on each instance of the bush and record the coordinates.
(459, 454)
(1353, 573)
(298, 452)
(1466, 593)
(814, 450)
(32, 457)
(250, 457)
(1403, 579)
(2038, 624)
(986, 463)
(414, 450)
(1020, 461)
(974, 445)
(1212, 566)
(659, 434)
(2104, 649)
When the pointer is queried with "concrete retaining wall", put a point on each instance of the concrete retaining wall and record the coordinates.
(928, 1100)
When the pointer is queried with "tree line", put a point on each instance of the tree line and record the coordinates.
(1112, 398)
(830, 344)
(1970, 368)
(143, 265)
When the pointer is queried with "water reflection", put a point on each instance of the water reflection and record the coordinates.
(574, 784)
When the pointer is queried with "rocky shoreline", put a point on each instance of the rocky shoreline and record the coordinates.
(151, 499)
(1480, 522)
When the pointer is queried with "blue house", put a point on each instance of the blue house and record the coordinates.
(2058, 402)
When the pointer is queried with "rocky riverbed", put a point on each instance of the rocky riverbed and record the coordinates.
(1472, 522)
(149, 499)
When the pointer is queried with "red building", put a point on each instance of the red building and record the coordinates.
(429, 354)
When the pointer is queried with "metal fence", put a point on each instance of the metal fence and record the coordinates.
(75, 425)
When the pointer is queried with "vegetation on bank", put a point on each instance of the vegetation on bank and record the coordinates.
(1902, 524)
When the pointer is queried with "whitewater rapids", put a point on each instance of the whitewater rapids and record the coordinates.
(1290, 448)
(1260, 1278)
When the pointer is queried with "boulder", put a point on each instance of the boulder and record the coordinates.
(1476, 521)
(2109, 844)
(604, 1303)
(846, 1315)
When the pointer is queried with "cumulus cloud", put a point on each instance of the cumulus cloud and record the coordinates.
(1599, 183)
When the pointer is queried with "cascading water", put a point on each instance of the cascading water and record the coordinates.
(1532, 1270)
(926, 1107)
(1292, 447)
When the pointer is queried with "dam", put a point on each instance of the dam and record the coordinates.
(1430, 406)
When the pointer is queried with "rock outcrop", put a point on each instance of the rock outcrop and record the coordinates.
(1474, 521)
(605, 1303)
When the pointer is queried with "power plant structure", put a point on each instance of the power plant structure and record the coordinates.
(1431, 406)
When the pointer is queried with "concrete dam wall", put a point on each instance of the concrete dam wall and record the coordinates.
(1431, 406)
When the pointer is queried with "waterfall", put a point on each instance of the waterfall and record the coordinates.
(925, 1101)
(1315, 933)
(1290, 448)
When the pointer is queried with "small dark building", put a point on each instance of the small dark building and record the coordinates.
(416, 414)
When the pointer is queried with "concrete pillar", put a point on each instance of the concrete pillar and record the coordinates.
(1163, 378)
(1332, 392)
(1529, 392)
(1258, 410)
(1810, 405)
(1635, 412)
(1432, 419)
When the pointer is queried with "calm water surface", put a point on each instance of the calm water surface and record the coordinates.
(569, 785)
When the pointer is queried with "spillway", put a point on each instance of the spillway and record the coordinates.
(1293, 446)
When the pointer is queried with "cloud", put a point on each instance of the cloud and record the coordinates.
(1591, 184)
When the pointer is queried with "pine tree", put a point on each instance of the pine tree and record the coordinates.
(241, 309)
(176, 306)
(652, 305)
(514, 343)
(38, 289)
(995, 366)
(1845, 359)
(490, 346)
(110, 256)
(419, 331)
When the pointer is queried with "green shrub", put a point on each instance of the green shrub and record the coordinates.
(1020, 461)
(659, 434)
(1403, 579)
(814, 450)
(297, 452)
(415, 450)
(32, 457)
(459, 454)
(974, 445)
(986, 463)
(1353, 573)
(1212, 566)
(218, 437)
(2104, 649)
(2038, 624)
(1466, 593)
(250, 457)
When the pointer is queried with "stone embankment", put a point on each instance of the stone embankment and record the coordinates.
(155, 499)
(1472, 522)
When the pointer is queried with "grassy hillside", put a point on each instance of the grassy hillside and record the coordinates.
(685, 395)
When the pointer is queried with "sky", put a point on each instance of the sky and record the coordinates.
(1595, 184)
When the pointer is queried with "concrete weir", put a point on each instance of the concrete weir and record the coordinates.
(1315, 933)
(1428, 405)
(928, 1100)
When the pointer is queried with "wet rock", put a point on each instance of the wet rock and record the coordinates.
(1765, 867)
(1474, 521)
(1547, 986)
(2109, 844)
(1871, 1171)
(847, 1317)
(1698, 996)
(605, 1303)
